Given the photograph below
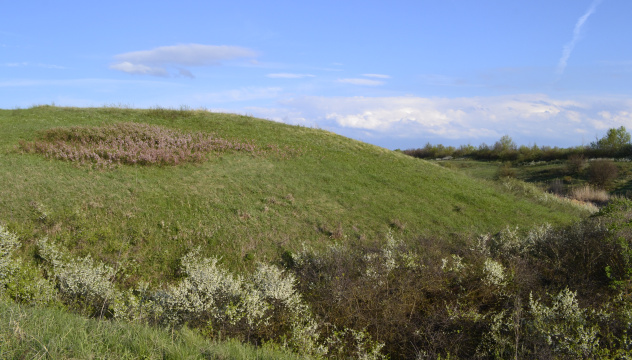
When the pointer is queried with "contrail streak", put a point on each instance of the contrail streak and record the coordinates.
(568, 48)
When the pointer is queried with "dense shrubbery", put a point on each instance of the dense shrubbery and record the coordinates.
(544, 293)
(547, 293)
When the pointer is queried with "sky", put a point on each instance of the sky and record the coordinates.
(397, 74)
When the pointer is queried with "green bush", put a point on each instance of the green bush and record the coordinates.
(575, 163)
(602, 172)
(19, 281)
(506, 171)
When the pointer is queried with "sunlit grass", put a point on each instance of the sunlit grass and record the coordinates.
(46, 333)
(242, 207)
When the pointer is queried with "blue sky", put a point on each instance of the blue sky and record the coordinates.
(396, 74)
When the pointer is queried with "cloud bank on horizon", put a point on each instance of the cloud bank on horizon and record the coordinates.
(459, 120)
(433, 72)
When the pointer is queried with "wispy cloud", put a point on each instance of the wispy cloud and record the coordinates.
(378, 76)
(155, 62)
(27, 64)
(289, 76)
(141, 69)
(360, 81)
(86, 82)
(568, 48)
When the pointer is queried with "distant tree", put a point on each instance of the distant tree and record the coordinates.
(505, 144)
(506, 149)
(614, 141)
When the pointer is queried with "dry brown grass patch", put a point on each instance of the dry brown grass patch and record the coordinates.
(589, 193)
(136, 143)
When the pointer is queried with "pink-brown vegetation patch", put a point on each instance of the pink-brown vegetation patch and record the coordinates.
(137, 143)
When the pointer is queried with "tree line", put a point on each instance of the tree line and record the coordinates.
(615, 144)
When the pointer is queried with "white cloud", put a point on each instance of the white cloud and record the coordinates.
(378, 76)
(155, 62)
(187, 55)
(362, 82)
(610, 119)
(289, 76)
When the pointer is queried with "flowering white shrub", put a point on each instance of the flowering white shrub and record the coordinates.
(564, 325)
(507, 242)
(8, 243)
(454, 264)
(208, 292)
(92, 282)
(84, 282)
(264, 304)
(20, 282)
(494, 273)
(537, 234)
(482, 244)
(50, 253)
(274, 284)
(360, 344)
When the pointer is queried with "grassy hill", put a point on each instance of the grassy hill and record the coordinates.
(315, 188)
(263, 233)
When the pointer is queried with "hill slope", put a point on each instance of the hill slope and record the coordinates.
(244, 207)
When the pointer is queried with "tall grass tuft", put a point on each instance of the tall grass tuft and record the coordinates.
(591, 194)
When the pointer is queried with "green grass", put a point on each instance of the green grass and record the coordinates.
(243, 207)
(47, 333)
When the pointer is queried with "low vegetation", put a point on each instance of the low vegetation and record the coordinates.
(547, 293)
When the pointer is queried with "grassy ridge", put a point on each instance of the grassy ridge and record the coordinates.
(240, 206)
